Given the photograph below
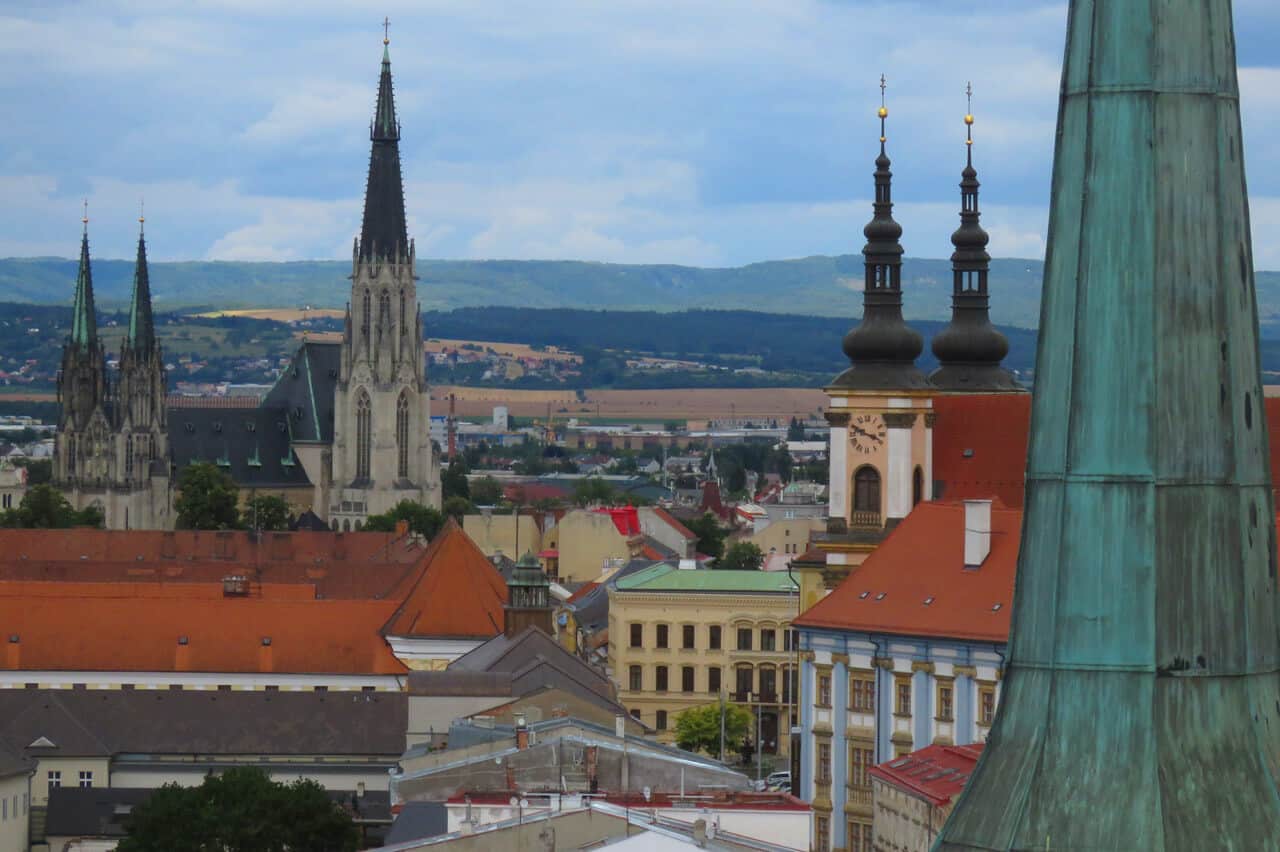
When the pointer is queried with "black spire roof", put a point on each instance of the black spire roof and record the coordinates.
(84, 321)
(970, 348)
(142, 335)
(383, 234)
(882, 348)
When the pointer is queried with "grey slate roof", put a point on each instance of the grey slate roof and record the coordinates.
(306, 391)
(419, 821)
(107, 722)
(251, 444)
(12, 762)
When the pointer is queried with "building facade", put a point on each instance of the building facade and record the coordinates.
(681, 638)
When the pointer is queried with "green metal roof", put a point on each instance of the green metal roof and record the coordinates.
(665, 577)
(84, 321)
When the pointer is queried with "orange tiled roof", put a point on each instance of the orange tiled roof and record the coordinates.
(457, 592)
(103, 627)
(915, 582)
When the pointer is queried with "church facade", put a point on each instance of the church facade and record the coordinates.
(343, 433)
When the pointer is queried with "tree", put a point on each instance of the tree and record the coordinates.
(592, 490)
(710, 535)
(453, 482)
(698, 729)
(795, 430)
(486, 491)
(423, 520)
(207, 499)
(267, 512)
(741, 556)
(39, 471)
(241, 810)
(44, 507)
(457, 507)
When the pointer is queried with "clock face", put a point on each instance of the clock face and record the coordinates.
(866, 432)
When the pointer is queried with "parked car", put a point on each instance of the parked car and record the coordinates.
(776, 779)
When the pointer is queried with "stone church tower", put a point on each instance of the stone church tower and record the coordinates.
(382, 450)
(111, 447)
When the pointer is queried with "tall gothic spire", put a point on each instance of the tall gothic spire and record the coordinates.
(383, 234)
(141, 338)
(84, 321)
(882, 348)
(970, 348)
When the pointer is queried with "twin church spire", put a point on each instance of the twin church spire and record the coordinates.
(882, 348)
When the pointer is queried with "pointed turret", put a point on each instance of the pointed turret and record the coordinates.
(970, 348)
(383, 234)
(84, 321)
(141, 337)
(883, 348)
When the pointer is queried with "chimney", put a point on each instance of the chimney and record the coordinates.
(402, 528)
(620, 725)
(522, 732)
(266, 659)
(688, 564)
(13, 652)
(182, 655)
(977, 532)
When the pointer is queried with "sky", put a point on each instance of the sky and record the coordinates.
(700, 132)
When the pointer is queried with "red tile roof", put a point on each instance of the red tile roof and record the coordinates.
(457, 592)
(583, 591)
(915, 582)
(625, 518)
(936, 773)
(980, 445)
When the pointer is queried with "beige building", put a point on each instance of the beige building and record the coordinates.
(15, 800)
(789, 537)
(13, 486)
(681, 638)
(498, 532)
(913, 795)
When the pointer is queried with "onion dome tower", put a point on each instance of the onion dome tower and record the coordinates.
(970, 348)
(882, 348)
(1140, 702)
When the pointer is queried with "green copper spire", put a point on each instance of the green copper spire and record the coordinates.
(84, 322)
(142, 336)
(1140, 704)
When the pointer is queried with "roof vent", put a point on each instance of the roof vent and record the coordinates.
(967, 453)
(235, 586)
(864, 596)
(250, 425)
(996, 608)
(880, 596)
(977, 532)
(183, 640)
(266, 641)
(929, 600)
(14, 638)
(190, 427)
(217, 425)
(281, 426)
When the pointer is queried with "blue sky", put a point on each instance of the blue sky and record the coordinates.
(706, 132)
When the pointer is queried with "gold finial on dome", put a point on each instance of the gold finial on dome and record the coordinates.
(883, 112)
(968, 115)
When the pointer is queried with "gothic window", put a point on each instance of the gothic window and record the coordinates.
(366, 308)
(128, 457)
(384, 309)
(364, 436)
(866, 490)
(402, 435)
(404, 326)
(71, 454)
(917, 486)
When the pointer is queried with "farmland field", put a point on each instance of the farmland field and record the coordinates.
(654, 405)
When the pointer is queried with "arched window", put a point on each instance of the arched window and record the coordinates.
(346, 525)
(384, 310)
(366, 309)
(866, 490)
(402, 435)
(404, 326)
(364, 434)
(128, 457)
(917, 486)
(71, 454)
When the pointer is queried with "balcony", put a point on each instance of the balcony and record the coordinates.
(865, 520)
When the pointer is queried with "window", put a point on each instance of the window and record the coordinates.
(768, 684)
(824, 763)
(128, 457)
(86, 778)
(986, 705)
(404, 327)
(365, 313)
(713, 680)
(402, 435)
(637, 635)
(860, 760)
(790, 641)
(822, 834)
(902, 707)
(917, 486)
(364, 434)
(768, 640)
(946, 703)
(55, 779)
(635, 678)
(635, 713)
(745, 680)
(744, 638)
(788, 685)
(862, 692)
(866, 490)
(660, 674)
(713, 638)
(660, 720)
(662, 636)
(686, 678)
(824, 689)
(686, 636)
(859, 837)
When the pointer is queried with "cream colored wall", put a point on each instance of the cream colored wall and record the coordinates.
(788, 537)
(846, 460)
(70, 767)
(432, 714)
(14, 791)
(331, 776)
(905, 822)
(586, 540)
(728, 611)
(552, 703)
(497, 532)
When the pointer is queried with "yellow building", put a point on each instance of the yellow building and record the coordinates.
(787, 536)
(679, 638)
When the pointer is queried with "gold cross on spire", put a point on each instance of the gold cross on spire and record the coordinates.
(386, 30)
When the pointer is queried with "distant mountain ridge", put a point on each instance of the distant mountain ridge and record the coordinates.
(818, 286)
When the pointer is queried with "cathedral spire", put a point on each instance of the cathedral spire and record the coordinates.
(883, 348)
(970, 348)
(84, 322)
(383, 233)
(142, 336)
